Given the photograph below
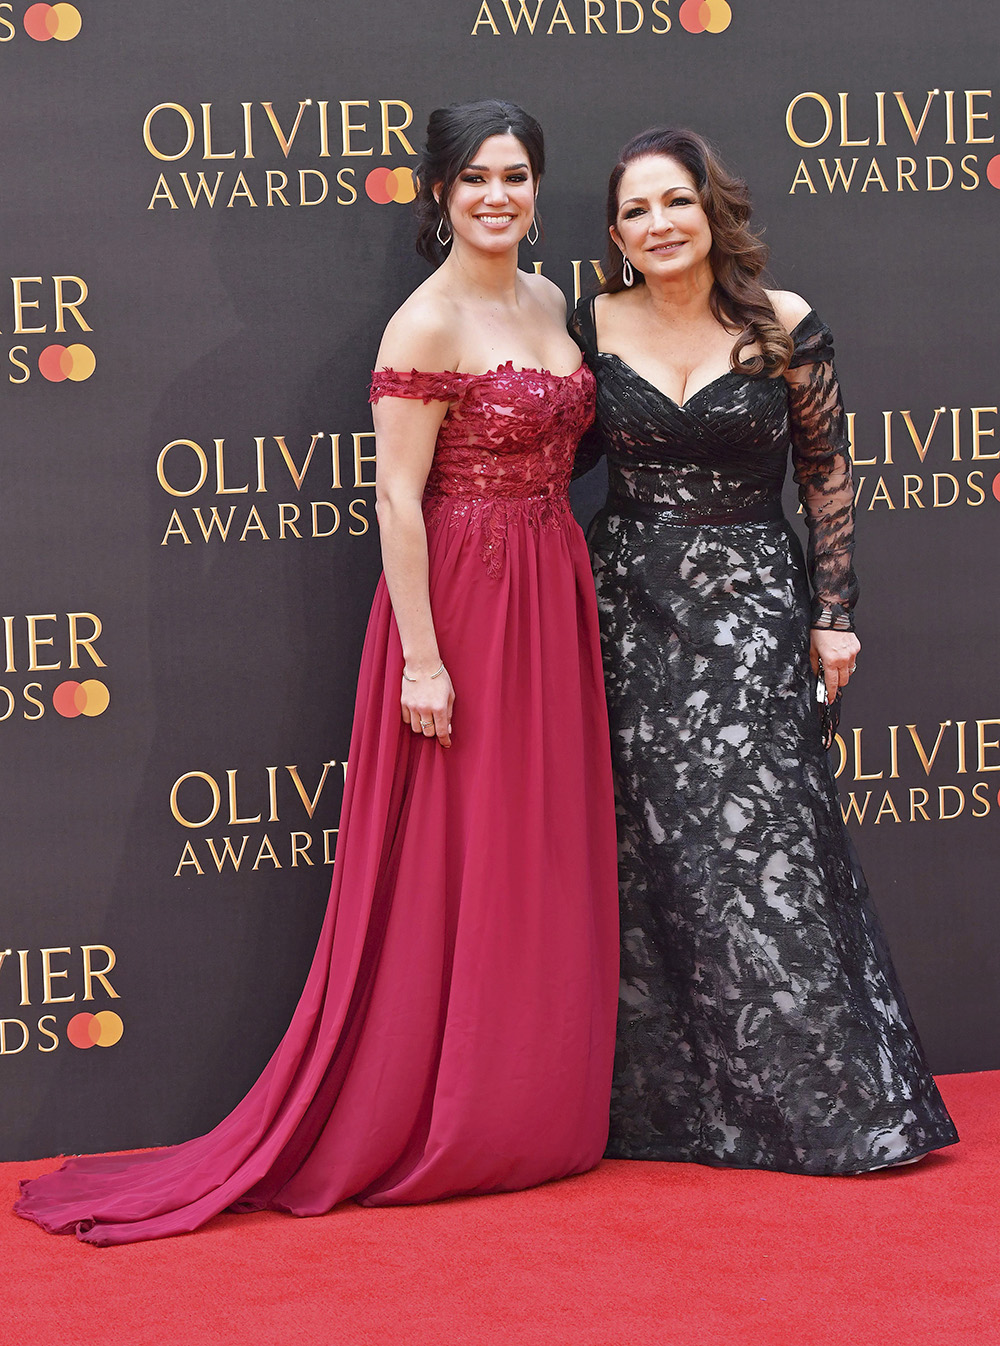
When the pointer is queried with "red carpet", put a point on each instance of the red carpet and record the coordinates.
(654, 1254)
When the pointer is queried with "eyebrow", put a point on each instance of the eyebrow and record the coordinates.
(680, 187)
(484, 168)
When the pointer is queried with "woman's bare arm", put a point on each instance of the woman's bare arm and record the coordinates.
(405, 434)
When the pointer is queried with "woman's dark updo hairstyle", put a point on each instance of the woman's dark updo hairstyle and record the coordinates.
(737, 258)
(454, 134)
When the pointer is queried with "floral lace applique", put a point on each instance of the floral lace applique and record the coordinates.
(821, 459)
(495, 518)
(505, 448)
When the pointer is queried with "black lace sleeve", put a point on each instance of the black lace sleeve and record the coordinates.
(592, 446)
(821, 460)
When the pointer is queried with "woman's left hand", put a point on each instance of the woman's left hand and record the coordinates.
(839, 652)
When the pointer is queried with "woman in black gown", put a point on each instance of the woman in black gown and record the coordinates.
(761, 1023)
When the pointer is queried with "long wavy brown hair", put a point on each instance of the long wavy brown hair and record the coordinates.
(737, 258)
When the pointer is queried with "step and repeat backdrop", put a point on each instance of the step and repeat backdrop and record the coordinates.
(206, 223)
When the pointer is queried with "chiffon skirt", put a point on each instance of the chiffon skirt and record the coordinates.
(456, 1030)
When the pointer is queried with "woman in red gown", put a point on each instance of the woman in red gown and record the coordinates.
(456, 1031)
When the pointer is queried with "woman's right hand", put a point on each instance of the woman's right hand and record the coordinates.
(427, 705)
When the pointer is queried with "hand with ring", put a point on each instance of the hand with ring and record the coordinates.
(426, 701)
(838, 651)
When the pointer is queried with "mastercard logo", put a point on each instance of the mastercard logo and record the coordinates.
(383, 185)
(71, 699)
(95, 1030)
(62, 22)
(993, 171)
(57, 363)
(705, 16)
(996, 488)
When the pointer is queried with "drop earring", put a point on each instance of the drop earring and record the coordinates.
(534, 226)
(628, 275)
(437, 234)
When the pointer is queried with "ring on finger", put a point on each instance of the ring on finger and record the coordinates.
(426, 724)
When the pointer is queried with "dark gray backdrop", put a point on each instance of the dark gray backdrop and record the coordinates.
(243, 322)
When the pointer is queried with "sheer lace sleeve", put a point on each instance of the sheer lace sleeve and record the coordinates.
(822, 466)
(430, 387)
(593, 445)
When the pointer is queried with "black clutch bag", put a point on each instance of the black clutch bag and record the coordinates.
(829, 711)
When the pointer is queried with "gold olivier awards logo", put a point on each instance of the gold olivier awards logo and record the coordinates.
(34, 979)
(892, 142)
(52, 644)
(41, 307)
(926, 458)
(331, 477)
(250, 149)
(918, 773)
(42, 22)
(241, 808)
(620, 18)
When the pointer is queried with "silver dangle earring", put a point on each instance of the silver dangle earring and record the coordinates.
(533, 225)
(628, 275)
(437, 234)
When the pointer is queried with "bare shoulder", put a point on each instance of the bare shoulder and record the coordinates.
(620, 301)
(614, 312)
(547, 293)
(789, 308)
(421, 333)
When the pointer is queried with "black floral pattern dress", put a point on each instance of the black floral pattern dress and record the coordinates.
(761, 1023)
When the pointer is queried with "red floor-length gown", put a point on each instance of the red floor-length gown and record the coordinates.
(456, 1031)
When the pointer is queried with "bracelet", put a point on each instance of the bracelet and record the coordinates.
(407, 678)
(826, 621)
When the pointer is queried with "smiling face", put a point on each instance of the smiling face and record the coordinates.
(661, 223)
(492, 202)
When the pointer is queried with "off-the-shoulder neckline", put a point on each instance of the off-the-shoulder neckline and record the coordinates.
(811, 314)
(507, 365)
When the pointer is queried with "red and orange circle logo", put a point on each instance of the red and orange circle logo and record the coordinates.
(705, 16)
(390, 184)
(71, 699)
(95, 1030)
(62, 22)
(57, 363)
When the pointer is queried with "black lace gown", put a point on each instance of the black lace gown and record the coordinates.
(761, 1023)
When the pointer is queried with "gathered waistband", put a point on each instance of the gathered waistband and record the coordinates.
(493, 515)
(767, 511)
(438, 498)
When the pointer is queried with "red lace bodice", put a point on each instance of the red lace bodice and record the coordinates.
(508, 434)
(505, 449)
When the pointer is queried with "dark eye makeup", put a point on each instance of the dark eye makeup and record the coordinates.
(634, 211)
(474, 178)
